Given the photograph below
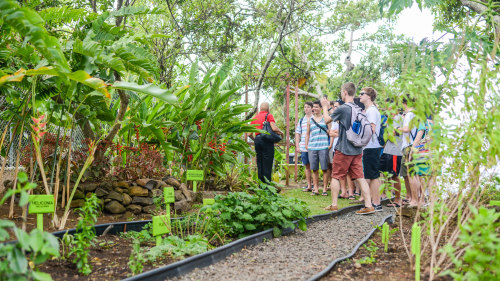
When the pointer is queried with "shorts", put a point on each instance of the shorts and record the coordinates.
(317, 157)
(406, 165)
(343, 164)
(371, 163)
(391, 164)
(304, 156)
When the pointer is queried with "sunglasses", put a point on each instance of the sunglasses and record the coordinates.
(362, 93)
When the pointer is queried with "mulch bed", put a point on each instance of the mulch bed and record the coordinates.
(393, 265)
(108, 257)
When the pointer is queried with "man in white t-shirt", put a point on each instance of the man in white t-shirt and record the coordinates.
(409, 131)
(373, 150)
(300, 138)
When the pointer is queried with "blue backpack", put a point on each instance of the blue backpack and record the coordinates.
(383, 125)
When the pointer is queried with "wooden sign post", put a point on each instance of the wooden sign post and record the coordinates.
(161, 225)
(194, 175)
(39, 205)
(169, 197)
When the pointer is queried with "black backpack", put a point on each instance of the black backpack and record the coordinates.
(383, 125)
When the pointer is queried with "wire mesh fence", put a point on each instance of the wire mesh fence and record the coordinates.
(15, 143)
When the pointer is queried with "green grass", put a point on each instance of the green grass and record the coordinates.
(315, 203)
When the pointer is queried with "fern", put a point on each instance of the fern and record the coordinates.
(62, 15)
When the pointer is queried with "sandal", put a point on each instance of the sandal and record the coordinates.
(394, 205)
(324, 194)
(352, 197)
(314, 193)
(307, 190)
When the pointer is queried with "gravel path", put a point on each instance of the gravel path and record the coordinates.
(297, 256)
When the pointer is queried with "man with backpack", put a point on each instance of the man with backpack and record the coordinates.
(300, 142)
(354, 133)
(318, 142)
(372, 151)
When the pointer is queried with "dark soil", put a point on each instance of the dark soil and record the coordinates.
(393, 265)
(108, 257)
(71, 222)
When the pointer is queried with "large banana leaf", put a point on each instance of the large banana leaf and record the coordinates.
(148, 89)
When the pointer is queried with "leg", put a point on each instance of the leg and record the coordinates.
(397, 188)
(343, 188)
(350, 185)
(259, 157)
(365, 191)
(325, 180)
(308, 176)
(315, 174)
(335, 187)
(267, 162)
(375, 191)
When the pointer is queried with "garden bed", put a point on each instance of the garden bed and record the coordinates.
(393, 265)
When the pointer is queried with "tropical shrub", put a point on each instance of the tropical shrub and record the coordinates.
(243, 213)
(480, 244)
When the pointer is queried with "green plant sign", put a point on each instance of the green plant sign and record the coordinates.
(40, 204)
(161, 225)
(194, 175)
(169, 195)
(208, 201)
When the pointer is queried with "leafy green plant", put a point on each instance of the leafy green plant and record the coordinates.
(143, 236)
(480, 244)
(136, 259)
(372, 250)
(85, 235)
(19, 261)
(386, 234)
(178, 247)
(243, 213)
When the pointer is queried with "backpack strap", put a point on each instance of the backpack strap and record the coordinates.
(265, 120)
(321, 127)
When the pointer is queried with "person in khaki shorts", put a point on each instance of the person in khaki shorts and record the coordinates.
(347, 157)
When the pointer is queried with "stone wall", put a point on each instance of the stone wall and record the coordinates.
(136, 196)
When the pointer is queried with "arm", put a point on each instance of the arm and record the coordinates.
(307, 133)
(297, 142)
(326, 105)
(418, 138)
(331, 139)
(275, 128)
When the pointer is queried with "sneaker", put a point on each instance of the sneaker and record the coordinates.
(366, 211)
(378, 208)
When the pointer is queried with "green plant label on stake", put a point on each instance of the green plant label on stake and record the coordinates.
(169, 195)
(161, 225)
(208, 201)
(40, 204)
(194, 175)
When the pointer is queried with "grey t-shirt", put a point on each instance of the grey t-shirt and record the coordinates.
(395, 148)
(343, 115)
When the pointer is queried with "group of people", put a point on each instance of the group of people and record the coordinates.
(322, 141)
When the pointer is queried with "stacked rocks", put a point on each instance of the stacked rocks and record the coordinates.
(136, 196)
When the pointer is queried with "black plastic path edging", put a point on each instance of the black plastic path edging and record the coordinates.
(356, 248)
(114, 228)
(208, 258)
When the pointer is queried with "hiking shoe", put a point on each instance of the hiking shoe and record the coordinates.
(366, 211)
(378, 208)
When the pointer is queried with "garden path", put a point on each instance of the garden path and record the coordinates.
(297, 256)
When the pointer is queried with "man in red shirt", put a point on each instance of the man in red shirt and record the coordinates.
(264, 149)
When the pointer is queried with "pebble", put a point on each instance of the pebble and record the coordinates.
(297, 256)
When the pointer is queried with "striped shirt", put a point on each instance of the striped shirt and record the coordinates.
(318, 139)
(302, 130)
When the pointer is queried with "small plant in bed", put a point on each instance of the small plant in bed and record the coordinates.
(372, 249)
(178, 247)
(243, 213)
(144, 236)
(80, 243)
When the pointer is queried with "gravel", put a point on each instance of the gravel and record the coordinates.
(297, 256)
